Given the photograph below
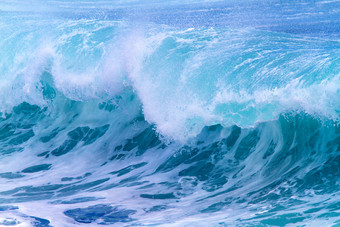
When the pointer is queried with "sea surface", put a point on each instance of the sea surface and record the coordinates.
(170, 113)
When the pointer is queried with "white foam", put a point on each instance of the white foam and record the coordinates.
(180, 100)
(184, 79)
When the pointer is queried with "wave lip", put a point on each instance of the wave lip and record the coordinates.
(185, 78)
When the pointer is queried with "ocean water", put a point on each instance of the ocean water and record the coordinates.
(154, 113)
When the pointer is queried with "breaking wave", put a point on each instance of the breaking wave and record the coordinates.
(145, 113)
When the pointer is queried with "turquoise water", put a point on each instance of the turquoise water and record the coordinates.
(146, 113)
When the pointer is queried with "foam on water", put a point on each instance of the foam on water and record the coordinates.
(201, 76)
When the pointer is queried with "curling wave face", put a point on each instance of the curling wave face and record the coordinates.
(128, 116)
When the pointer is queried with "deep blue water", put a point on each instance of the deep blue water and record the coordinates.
(151, 113)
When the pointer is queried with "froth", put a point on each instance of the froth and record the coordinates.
(185, 80)
(191, 80)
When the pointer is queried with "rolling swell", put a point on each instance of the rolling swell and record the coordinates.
(106, 122)
(284, 170)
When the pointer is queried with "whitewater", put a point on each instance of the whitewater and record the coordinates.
(169, 113)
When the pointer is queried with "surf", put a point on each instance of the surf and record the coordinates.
(191, 114)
